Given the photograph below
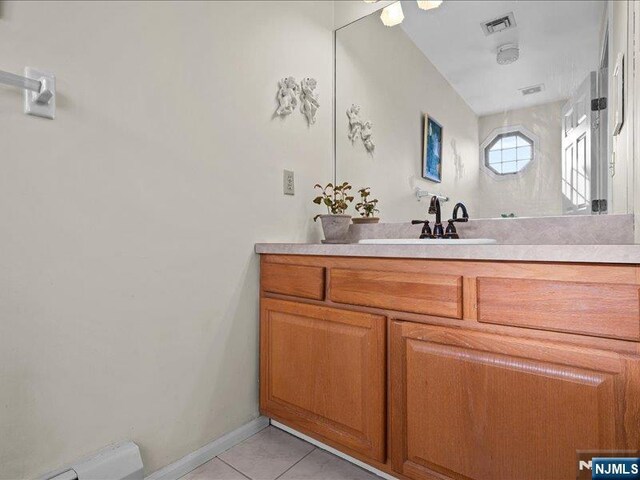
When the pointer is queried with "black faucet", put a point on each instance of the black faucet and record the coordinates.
(434, 207)
(451, 229)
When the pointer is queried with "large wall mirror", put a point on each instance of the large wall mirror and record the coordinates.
(515, 108)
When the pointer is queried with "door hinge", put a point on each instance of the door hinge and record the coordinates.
(599, 104)
(612, 164)
(599, 205)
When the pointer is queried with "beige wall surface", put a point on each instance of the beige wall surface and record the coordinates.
(129, 287)
(381, 69)
(537, 190)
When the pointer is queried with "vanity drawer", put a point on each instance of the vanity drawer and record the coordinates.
(597, 309)
(296, 280)
(429, 294)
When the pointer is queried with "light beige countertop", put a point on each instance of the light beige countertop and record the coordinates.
(622, 254)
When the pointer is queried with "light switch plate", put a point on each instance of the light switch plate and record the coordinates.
(288, 185)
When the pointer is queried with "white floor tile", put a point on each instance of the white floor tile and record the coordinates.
(267, 454)
(321, 465)
(214, 469)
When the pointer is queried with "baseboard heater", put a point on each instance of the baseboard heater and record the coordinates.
(116, 462)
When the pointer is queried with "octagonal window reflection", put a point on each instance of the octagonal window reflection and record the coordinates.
(508, 153)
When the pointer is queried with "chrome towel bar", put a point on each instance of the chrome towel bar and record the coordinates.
(40, 90)
(423, 193)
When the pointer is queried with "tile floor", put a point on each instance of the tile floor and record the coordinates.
(274, 454)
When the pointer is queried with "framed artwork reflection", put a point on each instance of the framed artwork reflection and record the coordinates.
(432, 151)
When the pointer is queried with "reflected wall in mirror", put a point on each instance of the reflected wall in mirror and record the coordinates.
(521, 90)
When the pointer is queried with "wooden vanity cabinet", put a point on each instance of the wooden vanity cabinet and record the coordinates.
(475, 405)
(434, 369)
(323, 371)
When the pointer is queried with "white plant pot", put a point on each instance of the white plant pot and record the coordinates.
(335, 227)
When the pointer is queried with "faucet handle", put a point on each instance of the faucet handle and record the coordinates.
(426, 229)
(451, 231)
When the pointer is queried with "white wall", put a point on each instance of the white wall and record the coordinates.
(129, 293)
(537, 190)
(382, 70)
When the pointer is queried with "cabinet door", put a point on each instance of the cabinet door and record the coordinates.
(323, 372)
(479, 406)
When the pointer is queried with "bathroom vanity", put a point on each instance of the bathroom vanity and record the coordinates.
(500, 366)
(486, 362)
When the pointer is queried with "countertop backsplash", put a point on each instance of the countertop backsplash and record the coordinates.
(565, 230)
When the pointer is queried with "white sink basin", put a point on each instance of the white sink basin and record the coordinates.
(428, 241)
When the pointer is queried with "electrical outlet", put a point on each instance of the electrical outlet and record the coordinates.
(288, 185)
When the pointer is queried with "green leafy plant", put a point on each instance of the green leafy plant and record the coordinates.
(366, 208)
(335, 197)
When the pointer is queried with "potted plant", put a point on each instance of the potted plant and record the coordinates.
(366, 208)
(336, 198)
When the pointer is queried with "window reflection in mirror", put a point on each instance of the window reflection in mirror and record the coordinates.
(526, 95)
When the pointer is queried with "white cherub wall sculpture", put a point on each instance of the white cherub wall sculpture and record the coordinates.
(309, 99)
(287, 96)
(360, 128)
(366, 136)
(355, 123)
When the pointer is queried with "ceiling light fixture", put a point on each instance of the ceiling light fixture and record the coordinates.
(392, 15)
(429, 4)
(507, 53)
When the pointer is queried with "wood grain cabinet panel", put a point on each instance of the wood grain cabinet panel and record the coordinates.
(604, 310)
(480, 406)
(323, 371)
(430, 294)
(295, 280)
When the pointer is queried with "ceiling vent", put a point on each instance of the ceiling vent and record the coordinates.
(500, 24)
(532, 89)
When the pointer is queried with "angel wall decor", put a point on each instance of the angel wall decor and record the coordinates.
(355, 123)
(366, 136)
(360, 128)
(287, 96)
(309, 99)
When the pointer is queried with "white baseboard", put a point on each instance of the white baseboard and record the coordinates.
(211, 450)
(329, 449)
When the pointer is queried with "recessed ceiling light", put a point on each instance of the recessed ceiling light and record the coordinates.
(392, 15)
(507, 54)
(429, 4)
